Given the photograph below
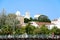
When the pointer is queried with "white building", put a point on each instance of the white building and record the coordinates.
(34, 24)
(36, 16)
(53, 23)
(56, 22)
(27, 15)
(18, 13)
(20, 18)
(39, 24)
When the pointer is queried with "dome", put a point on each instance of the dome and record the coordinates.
(18, 13)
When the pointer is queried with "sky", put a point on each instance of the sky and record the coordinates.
(51, 8)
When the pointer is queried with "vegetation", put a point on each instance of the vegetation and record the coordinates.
(5, 30)
(44, 30)
(20, 30)
(30, 29)
(55, 30)
(8, 25)
(43, 18)
(26, 20)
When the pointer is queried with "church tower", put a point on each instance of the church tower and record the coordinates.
(19, 17)
(18, 13)
(27, 14)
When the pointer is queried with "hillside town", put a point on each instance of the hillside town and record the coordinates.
(50, 25)
(14, 25)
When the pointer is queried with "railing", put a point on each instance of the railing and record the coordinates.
(30, 36)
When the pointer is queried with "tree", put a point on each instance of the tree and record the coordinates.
(30, 29)
(8, 23)
(12, 21)
(2, 18)
(43, 18)
(20, 30)
(6, 30)
(35, 20)
(55, 30)
(44, 30)
(36, 31)
(31, 19)
(26, 20)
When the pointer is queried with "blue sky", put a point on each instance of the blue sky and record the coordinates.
(51, 8)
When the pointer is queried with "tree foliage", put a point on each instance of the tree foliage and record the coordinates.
(8, 22)
(2, 18)
(8, 25)
(30, 29)
(20, 30)
(6, 29)
(26, 20)
(43, 18)
(31, 19)
(55, 30)
(44, 30)
(12, 21)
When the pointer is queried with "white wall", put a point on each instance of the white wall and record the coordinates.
(34, 24)
(57, 23)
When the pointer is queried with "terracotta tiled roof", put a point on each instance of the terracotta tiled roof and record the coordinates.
(43, 23)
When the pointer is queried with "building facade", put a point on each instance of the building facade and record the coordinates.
(20, 18)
